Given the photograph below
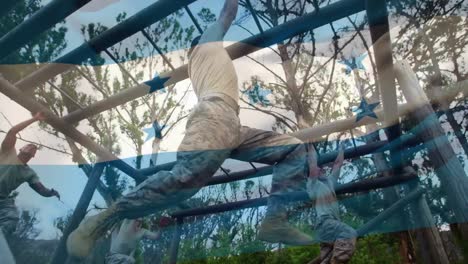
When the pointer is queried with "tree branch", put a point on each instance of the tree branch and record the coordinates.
(40, 145)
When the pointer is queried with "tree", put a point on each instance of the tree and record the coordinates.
(43, 48)
(23, 242)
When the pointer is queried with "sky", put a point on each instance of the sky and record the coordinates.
(59, 172)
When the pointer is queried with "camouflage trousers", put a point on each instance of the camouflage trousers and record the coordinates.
(338, 241)
(9, 215)
(213, 134)
(114, 258)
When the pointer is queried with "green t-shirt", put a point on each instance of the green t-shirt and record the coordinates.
(13, 172)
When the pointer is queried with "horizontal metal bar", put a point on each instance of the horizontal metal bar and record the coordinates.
(241, 175)
(108, 38)
(318, 131)
(127, 169)
(396, 207)
(152, 170)
(42, 20)
(405, 141)
(270, 37)
(365, 185)
(235, 176)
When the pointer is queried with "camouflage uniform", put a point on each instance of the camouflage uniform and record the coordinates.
(115, 258)
(13, 173)
(9, 215)
(338, 240)
(213, 134)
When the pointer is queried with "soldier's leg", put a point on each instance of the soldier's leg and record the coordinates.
(209, 139)
(345, 243)
(339, 236)
(326, 252)
(9, 215)
(211, 133)
(289, 156)
(9, 218)
(268, 147)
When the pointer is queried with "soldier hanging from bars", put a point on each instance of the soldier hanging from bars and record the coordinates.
(337, 239)
(14, 171)
(125, 239)
(213, 134)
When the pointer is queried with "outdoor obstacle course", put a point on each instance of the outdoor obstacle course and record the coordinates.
(428, 134)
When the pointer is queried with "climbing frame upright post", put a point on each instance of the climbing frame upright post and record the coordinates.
(60, 255)
(454, 180)
(377, 15)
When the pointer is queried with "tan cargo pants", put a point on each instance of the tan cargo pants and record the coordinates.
(213, 134)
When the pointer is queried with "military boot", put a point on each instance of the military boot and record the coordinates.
(82, 240)
(276, 229)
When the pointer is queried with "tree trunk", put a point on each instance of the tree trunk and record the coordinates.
(303, 116)
(435, 85)
(450, 171)
(155, 151)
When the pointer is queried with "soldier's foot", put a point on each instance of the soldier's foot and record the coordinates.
(82, 240)
(275, 230)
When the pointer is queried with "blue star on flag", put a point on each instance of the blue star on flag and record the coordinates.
(258, 95)
(366, 109)
(354, 63)
(154, 131)
(157, 83)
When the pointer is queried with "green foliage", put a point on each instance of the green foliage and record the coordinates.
(45, 47)
(376, 249)
(26, 227)
(61, 223)
(138, 256)
(207, 16)
(114, 182)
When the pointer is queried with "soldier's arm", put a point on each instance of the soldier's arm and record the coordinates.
(43, 191)
(314, 171)
(228, 14)
(335, 174)
(10, 139)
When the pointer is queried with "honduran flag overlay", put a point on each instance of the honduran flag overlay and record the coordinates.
(319, 85)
